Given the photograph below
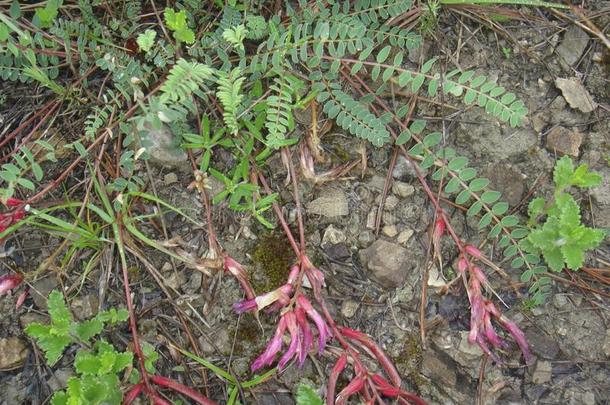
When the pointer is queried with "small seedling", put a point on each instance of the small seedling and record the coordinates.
(176, 21)
(97, 365)
(562, 239)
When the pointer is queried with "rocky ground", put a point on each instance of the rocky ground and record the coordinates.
(374, 280)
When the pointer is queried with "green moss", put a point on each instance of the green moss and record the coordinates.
(272, 257)
(409, 361)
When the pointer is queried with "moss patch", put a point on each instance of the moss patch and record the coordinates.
(272, 257)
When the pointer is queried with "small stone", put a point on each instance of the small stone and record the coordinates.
(32, 317)
(349, 308)
(573, 45)
(376, 183)
(163, 148)
(175, 280)
(59, 380)
(388, 262)
(601, 193)
(402, 189)
(338, 252)
(248, 234)
(391, 202)
(435, 279)
(332, 236)
(85, 307)
(539, 121)
(388, 218)
(332, 204)
(576, 95)
(560, 301)
(170, 178)
(404, 169)
(543, 372)
(13, 353)
(437, 370)
(606, 347)
(222, 343)
(167, 266)
(365, 238)
(370, 219)
(390, 231)
(564, 142)
(404, 236)
(41, 289)
(468, 348)
(508, 179)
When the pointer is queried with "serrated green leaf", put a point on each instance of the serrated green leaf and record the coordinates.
(536, 207)
(57, 308)
(307, 396)
(87, 329)
(87, 363)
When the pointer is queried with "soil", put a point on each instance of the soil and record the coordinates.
(569, 334)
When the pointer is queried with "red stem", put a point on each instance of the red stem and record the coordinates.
(182, 389)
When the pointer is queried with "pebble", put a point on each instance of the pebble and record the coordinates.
(404, 236)
(390, 231)
(41, 289)
(170, 178)
(388, 262)
(562, 141)
(332, 236)
(402, 189)
(576, 95)
(573, 45)
(365, 238)
(332, 204)
(543, 372)
(13, 353)
(349, 308)
(391, 202)
(163, 148)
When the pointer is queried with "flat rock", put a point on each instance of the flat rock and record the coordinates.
(601, 193)
(402, 189)
(507, 179)
(13, 353)
(331, 204)
(332, 236)
(573, 45)
(388, 262)
(541, 344)
(576, 95)
(349, 308)
(41, 289)
(564, 142)
(163, 148)
(542, 373)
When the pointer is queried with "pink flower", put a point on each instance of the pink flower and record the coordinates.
(350, 389)
(9, 281)
(13, 202)
(295, 340)
(324, 333)
(473, 251)
(273, 348)
(240, 274)
(280, 295)
(306, 335)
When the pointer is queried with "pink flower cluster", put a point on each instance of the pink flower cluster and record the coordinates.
(370, 385)
(295, 319)
(482, 311)
(17, 214)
